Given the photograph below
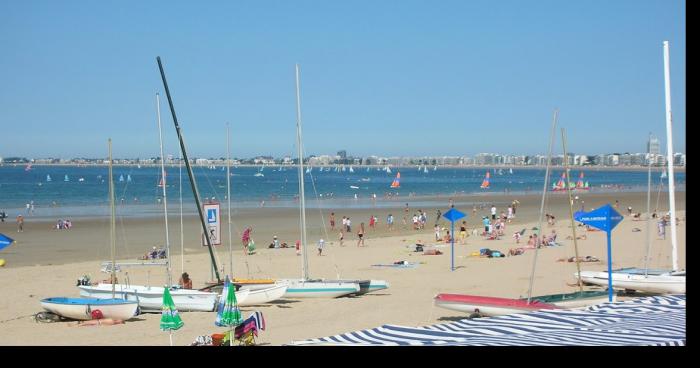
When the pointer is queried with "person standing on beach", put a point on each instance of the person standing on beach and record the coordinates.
(463, 232)
(371, 222)
(321, 243)
(341, 236)
(360, 235)
(246, 239)
(661, 224)
(349, 225)
(493, 212)
(333, 221)
(510, 213)
(437, 217)
(405, 216)
(437, 232)
(390, 222)
(344, 224)
(20, 223)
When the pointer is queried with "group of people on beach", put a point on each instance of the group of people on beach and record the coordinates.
(62, 224)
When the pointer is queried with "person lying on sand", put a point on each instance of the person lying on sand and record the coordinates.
(580, 259)
(580, 237)
(98, 322)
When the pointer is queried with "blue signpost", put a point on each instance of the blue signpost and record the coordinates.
(604, 218)
(453, 215)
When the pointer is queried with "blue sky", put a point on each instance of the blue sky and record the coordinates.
(395, 77)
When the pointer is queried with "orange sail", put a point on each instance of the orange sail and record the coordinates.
(485, 184)
(397, 181)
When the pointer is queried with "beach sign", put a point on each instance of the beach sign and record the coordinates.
(5, 241)
(604, 218)
(212, 211)
(453, 215)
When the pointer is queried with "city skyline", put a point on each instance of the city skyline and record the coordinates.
(406, 78)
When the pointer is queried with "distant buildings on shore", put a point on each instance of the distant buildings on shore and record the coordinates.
(342, 158)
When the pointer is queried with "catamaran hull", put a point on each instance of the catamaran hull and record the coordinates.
(368, 286)
(488, 306)
(262, 296)
(82, 308)
(150, 299)
(575, 299)
(319, 289)
(663, 284)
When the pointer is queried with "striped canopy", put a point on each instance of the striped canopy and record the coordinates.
(656, 320)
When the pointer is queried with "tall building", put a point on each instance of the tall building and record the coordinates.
(653, 146)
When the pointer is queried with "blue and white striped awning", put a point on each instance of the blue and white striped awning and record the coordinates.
(655, 320)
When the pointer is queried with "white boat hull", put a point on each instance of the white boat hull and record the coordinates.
(484, 310)
(83, 310)
(150, 299)
(299, 288)
(262, 296)
(663, 284)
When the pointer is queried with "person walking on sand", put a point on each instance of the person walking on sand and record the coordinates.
(20, 223)
(371, 222)
(390, 222)
(463, 232)
(332, 221)
(360, 235)
(341, 236)
(321, 243)
(493, 212)
(437, 232)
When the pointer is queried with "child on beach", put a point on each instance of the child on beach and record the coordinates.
(360, 235)
(390, 222)
(246, 239)
(437, 232)
(321, 243)
(463, 232)
(341, 236)
(516, 235)
(332, 221)
(185, 281)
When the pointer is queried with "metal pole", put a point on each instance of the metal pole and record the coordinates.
(165, 195)
(669, 154)
(228, 194)
(193, 184)
(112, 223)
(646, 260)
(544, 195)
(302, 204)
(453, 245)
(610, 288)
(571, 208)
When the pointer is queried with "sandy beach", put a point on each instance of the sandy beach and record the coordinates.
(46, 263)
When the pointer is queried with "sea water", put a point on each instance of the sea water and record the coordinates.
(87, 194)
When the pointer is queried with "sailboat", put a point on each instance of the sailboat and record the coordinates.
(644, 279)
(425, 169)
(48, 178)
(150, 298)
(580, 184)
(397, 180)
(128, 178)
(121, 178)
(486, 183)
(560, 185)
(351, 170)
(306, 287)
(110, 307)
(65, 178)
(28, 167)
(492, 306)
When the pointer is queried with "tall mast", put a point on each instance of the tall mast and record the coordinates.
(571, 209)
(544, 195)
(302, 203)
(669, 154)
(112, 222)
(228, 195)
(190, 174)
(182, 226)
(646, 259)
(165, 195)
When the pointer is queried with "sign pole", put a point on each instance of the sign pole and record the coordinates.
(610, 288)
(453, 245)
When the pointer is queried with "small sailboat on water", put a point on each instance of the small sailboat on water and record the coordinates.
(580, 184)
(397, 180)
(48, 178)
(65, 178)
(486, 182)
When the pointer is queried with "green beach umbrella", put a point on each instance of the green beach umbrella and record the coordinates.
(229, 315)
(170, 319)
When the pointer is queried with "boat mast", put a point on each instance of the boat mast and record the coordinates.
(646, 260)
(165, 196)
(190, 174)
(228, 195)
(112, 222)
(544, 195)
(571, 208)
(302, 204)
(669, 154)
(182, 227)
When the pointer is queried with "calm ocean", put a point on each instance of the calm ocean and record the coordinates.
(75, 191)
